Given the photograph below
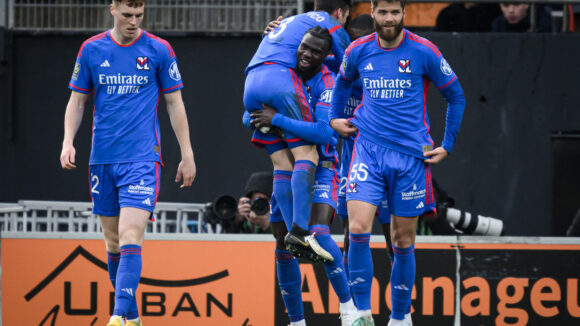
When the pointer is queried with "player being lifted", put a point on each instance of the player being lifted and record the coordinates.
(318, 81)
(271, 80)
(127, 69)
(394, 150)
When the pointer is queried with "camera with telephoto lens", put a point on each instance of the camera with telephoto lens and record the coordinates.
(222, 209)
(260, 205)
(474, 224)
(465, 222)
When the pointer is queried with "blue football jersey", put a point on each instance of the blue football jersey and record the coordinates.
(395, 83)
(127, 81)
(281, 44)
(319, 89)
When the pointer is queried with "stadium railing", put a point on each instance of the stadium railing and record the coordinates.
(161, 15)
(207, 16)
(33, 216)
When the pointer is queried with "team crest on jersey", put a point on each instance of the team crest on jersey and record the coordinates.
(352, 188)
(446, 68)
(143, 63)
(174, 72)
(76, 71)
(405, 66)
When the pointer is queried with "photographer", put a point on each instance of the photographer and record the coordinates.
(253, 213)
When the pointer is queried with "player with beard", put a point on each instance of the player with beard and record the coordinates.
(318, 81)
(393, 151)
(272, 80)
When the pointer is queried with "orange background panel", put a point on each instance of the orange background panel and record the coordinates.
(249, 281)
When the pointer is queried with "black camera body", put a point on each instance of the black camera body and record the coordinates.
(260, 206)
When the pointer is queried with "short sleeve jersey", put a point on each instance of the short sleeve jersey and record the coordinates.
(395, 83)
(281, 44)
(319, 90)
(127, 82)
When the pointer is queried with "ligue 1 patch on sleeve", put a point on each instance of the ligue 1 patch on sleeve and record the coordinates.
(76, 71)
(427, 148)
(343, 67)
(446, 68)
(174, 72)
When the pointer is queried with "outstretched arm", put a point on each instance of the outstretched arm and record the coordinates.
(72, 121)
(186, 170)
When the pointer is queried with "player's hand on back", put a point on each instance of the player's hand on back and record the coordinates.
(435, 156)
(272, 25)
(343, 127)
(186, 171)
(67, 157)
(263, 118)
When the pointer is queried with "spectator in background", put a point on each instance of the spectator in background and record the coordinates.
(247, 220)
(467, 17)
(516, 18)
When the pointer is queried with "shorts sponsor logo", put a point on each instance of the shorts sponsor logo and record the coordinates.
(414, 194)
(141, 189)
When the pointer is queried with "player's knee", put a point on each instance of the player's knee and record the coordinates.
(402, 239)
(358, 228)
(130, 237)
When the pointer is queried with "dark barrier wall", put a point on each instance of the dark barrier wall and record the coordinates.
(519, 89)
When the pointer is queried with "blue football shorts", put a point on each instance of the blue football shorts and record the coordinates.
(279, 87)
(377, 170)
(124, 185)
(325, 186)
(383, 213)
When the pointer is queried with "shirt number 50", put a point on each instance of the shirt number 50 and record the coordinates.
(359, 171)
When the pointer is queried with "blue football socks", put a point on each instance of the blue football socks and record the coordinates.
(128, 275)
(282, 189)
(302, 189)
(290, 282)
(360, 266)
(113, 260)
(402, 280)
(335, 269)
